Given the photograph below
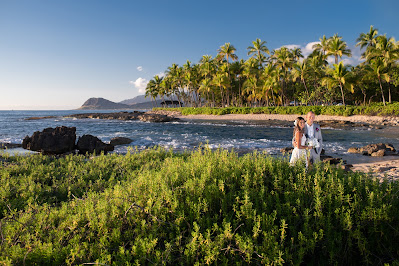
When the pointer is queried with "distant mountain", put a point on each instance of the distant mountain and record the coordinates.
(101, 103)
(137, 99)
(143, 106)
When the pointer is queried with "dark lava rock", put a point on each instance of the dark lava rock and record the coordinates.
(9, 145)
(39, 118)
(379, 149)
(91, 144)
(156, 118)
(120, 141)
(57, 140)
(136, 115)
(286, 150)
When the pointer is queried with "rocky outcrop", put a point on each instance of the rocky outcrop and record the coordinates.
(9, 145)
(57, 140)
(380, 149)
(341, 124)
(135, 115)
(120, 141)
(40, 117)
(156, 118)
(92, 144)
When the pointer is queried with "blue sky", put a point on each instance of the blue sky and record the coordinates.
(55, 54)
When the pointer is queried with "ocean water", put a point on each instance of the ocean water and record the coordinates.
(241, 136)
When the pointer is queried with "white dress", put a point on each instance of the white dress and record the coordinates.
(300, 154)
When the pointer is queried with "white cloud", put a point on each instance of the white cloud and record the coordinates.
(140, 83)
(308, 49)
(140, 68)
(161, 74)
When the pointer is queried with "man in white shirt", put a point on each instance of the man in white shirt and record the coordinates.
(312, 130)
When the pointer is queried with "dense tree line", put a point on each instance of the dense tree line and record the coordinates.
(283, 76)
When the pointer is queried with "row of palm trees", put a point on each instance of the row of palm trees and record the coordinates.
(283, 76)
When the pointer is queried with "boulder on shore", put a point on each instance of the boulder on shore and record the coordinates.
(120, 141)
(91, 144)
(156, 118)
(379, 149)
(57, 140)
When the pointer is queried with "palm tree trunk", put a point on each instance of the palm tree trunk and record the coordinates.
(382, 91)
(389, 93)
(304, 84)
(342, 93)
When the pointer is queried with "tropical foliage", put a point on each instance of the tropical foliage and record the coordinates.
(281, 76)
(203, 207)
(375, 109)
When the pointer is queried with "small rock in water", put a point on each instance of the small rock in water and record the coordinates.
(120, 141)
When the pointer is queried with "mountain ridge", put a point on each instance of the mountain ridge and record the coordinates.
(102, 104)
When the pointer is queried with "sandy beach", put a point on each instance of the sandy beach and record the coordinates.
(264, 117)
(384, 170)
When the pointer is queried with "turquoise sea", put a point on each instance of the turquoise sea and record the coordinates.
(241, 136)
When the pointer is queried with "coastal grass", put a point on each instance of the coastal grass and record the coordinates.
(377, 109)
(200, 207)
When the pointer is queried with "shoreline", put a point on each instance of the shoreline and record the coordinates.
(374, 120)
(379, 120)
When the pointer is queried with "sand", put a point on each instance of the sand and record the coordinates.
(384, 170)
(259, 117)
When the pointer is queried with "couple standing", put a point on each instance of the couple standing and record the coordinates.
(307, 140)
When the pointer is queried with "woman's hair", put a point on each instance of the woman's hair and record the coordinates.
(296, 124)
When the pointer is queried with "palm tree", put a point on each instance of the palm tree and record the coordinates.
(283, 60)
(270, 82)
(250, 87)
(300, 70)
(338, 76)
(207, 87)
(259, 50)
(154, 88)
(377, 68)
(297, 53)
(317, 63)
(237, 70)
(322, 46)
(367, 39)
(386, 49)
(338, 48)
(227, 51)
(174, 73)
(220, 80)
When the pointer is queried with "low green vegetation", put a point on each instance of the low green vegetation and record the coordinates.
(200, 207)
(374, 109)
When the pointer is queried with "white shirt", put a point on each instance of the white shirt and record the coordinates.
(310, 130)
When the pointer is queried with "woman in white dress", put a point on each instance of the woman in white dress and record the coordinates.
(300, 151)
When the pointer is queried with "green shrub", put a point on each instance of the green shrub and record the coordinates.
(203, 207)
(348, 110)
